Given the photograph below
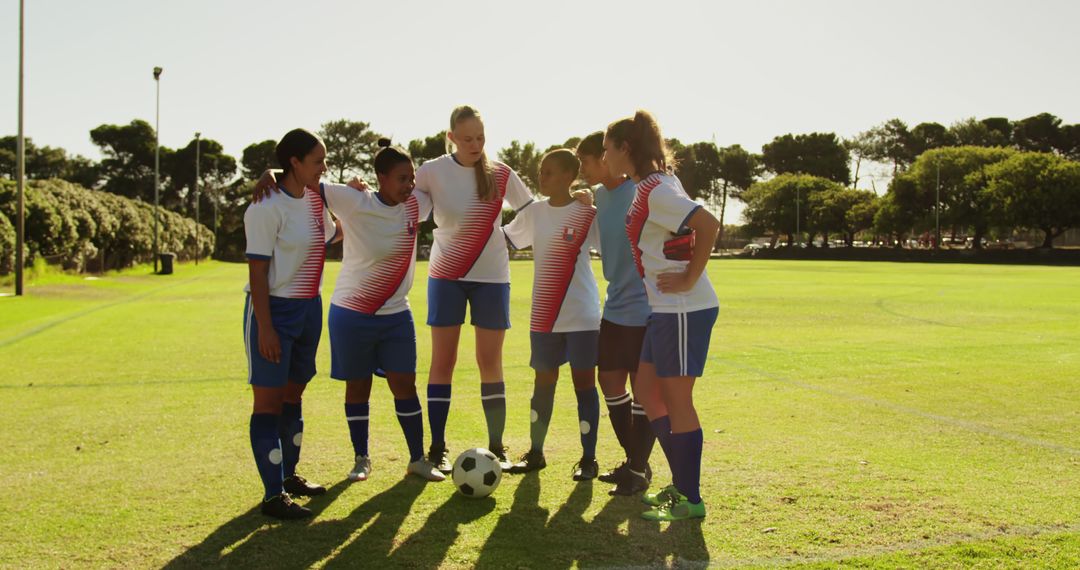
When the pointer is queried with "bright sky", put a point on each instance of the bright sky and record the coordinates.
(742, 72)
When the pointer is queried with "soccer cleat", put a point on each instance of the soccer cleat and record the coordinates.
(425, 470)
(630, 483)
(282, 507)
(361, 470)
(530, 461)
(613, 475)
(500, 454)
(586, 469)
(660, 497)
(297, 486)
(439, 457)
(677, 508)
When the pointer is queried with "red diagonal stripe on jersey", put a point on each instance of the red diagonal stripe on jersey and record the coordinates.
(386, 276)
(309, 276)
(457, 259)
(637, 215)
(554, 274)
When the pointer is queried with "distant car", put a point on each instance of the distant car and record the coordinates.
(753, 247)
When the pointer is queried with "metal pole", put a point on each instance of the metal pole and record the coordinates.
(198, 236)
(20, 171)
(937, 208)
(798, 228)
(157, 160)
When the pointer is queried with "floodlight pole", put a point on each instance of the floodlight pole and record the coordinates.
(798, 227)
(937, 207)
(20, 171)
(157, 160)
(198, 235)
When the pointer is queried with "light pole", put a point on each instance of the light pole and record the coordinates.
(937, 208)
(20, 171)
(157, 159)
(198, 236)
(798, 227)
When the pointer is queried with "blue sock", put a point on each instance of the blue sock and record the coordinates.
(662, 428)
(410, 416)
(493, 399)
(588, 413)
(266, 447)
(291, 431)
(357, 416)
(438, 406)
(686, 448)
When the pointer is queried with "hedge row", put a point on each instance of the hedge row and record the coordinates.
(81, 229)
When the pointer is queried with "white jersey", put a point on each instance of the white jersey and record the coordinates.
(565, 297)
(291, 233)
(379, 250)
(659, 211)
(468, 244)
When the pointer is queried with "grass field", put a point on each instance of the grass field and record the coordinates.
(855, 414)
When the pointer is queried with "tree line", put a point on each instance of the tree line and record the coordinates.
(977, 176)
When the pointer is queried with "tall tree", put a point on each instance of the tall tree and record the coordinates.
(737, 171)
(972, 132)
(525, 160)
(839, 210)
(350, 148)
(1038, 191)
(128, 163)
(925, 136)
(816, 154)
(889, 142)
(425, 149)
(216, 169)
(698, 168)
(47, 162)
(1039, 133)
(258, 158)
(779, 205)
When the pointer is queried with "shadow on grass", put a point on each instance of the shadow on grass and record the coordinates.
(527, 537)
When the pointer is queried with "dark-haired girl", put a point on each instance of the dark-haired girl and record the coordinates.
(287, 234)
(684, 307)
(371, 326)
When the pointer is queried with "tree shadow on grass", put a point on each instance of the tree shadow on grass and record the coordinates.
(527, 537)
(299, 544)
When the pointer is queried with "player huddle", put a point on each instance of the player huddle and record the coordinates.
(654, 328)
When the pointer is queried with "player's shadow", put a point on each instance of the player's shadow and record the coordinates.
(615, 536)
(252, 540)
(427, 547)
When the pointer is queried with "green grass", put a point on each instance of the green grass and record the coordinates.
(856, 414)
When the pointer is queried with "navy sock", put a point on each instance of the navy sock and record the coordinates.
(619, 411)
(357, 416)
(291, 431)
(540, 407)
(266, 446)
(412, 425)
(493, 398)
(686, 449)
(588, 412)
(438, 406)
(662, 428)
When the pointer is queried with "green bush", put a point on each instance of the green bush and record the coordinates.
(77, 228)
(7, 245)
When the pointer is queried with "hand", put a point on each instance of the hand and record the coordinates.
(674, 282)
(269, 345)
(358, 184)
(583, 196)
(267, 183)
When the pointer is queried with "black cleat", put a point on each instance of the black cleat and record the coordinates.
(531, 461)
(282, 507)
(615, 475)
(586, 469)
(630, 483)
(500, 454)
(439, 457)
(297, 486)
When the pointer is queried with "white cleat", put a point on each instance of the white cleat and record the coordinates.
(425, 470)
(361, 470)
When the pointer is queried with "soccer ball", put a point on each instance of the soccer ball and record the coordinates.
(477, 473)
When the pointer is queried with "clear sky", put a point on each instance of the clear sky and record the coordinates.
(242, 71)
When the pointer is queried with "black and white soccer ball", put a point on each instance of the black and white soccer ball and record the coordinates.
(477, 473)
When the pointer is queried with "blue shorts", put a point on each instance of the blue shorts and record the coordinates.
(298, 323)
(552, 350)
(678, 343)
(489, 303)
(360, 344)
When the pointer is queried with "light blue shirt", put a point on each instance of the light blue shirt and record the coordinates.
(626, 303)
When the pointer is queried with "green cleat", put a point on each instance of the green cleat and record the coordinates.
(660, 497)
(677, 508)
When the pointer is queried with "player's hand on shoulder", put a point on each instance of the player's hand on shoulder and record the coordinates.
(266, 184)
(583, 196)
(358, 183)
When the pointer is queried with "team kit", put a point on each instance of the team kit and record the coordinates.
(645, 345)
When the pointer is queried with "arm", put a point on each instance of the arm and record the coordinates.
(259, 278)
(706, 227)
(266, 184)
